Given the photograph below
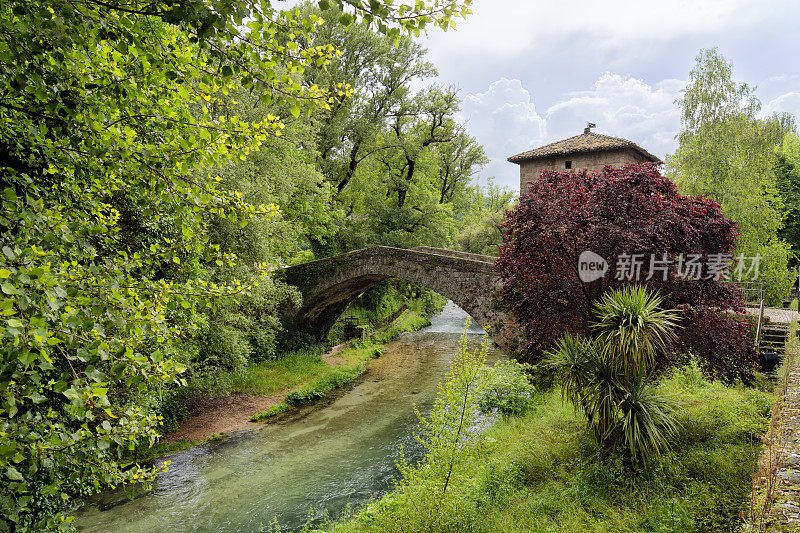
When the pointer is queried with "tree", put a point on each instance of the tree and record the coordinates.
(108, 127)
(787, 172)
(726, 152)
(379, 73)
(610, 375)
(400, 164)
(481, 233)
(283, 172)
(627, 217)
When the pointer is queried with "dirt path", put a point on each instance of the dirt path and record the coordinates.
(210, 416)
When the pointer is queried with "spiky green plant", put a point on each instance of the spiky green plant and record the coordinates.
(646, 419)
(575, 359)
(631, 329)
(610, 376)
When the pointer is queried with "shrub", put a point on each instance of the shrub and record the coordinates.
(172, 412)
(633, 210)
(506, 388)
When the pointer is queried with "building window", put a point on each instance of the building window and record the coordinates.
(567, 164)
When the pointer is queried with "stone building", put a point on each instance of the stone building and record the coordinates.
(591, 151)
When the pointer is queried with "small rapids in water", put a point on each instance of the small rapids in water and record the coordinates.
(303, 469)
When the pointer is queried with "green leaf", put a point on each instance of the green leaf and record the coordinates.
(9, 289)
(13, 474)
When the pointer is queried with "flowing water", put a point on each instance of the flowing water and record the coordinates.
(301, 469)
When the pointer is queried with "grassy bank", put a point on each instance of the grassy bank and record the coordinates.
(354, 356)
(304, 370)
(544, 472)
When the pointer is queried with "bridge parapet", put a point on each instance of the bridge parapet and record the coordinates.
(455, 253)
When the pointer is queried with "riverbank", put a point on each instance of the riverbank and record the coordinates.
(236, 403)
(313, 463)
(543, 471)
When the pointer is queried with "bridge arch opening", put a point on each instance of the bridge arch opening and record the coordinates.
(366, 293)
(329, 285)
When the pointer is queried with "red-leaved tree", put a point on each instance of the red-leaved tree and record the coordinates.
(625, 216)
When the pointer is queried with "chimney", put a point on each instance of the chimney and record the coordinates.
(589, 126)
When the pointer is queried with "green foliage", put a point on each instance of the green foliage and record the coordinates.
(631, 330)
(445, 434)
(111, 116)
(610, 376)
(330, 380)
(282, 173)
(787, 171)
(275, 410)
(378, 305)
(172, 412)
(327, 378)
(543, 472)
(270, 377)
(506, 388)
(728, 153)
(104, 243)
(398, 162)
(481, 233)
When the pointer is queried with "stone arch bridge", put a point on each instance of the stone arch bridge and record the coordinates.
(469, 280)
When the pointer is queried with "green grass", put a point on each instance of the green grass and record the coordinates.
(327, 379)
(145, 454)
(263, 379)
(544, 472)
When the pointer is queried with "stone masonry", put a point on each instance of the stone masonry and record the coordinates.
(777, 484)
(469, 280)
(588, 151)
(593, 161)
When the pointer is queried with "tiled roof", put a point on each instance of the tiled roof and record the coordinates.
(585, 142)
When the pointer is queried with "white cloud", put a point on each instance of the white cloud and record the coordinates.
(622, 106)
(512, 26)
(780, 78)
(785, 103)
(504, 118)
(505, 122)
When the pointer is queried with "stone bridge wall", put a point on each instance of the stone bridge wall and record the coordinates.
(469, 280)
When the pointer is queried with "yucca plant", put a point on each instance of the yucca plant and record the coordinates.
(630, 329)
(576, 359)
(610, 376)
(646, 419)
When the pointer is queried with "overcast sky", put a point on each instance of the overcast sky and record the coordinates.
(530, 72)
(533, 72)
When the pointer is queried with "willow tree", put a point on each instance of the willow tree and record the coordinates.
(106, 138)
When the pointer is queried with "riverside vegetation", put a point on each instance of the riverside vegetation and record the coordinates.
(544, 471)
(160, 159)
(304, 369)
(558, 463)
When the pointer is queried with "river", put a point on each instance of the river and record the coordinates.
(308, 467)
